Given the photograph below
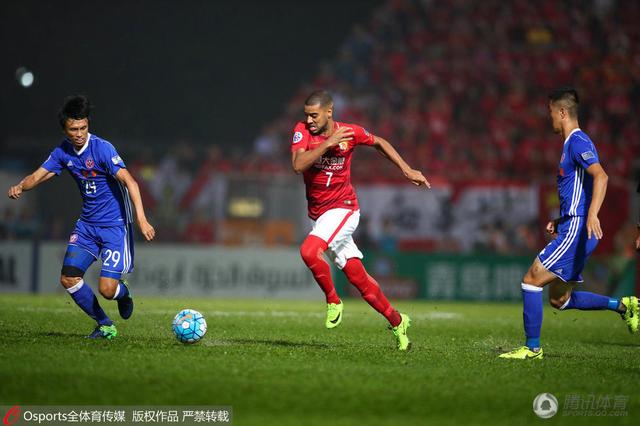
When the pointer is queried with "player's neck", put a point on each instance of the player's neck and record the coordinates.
(328, 131)
(568, 128)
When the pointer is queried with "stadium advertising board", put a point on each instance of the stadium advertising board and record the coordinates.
(211, 271)
(442, 276)
(15, 266)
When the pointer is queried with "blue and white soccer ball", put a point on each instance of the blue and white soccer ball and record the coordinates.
(189, 326)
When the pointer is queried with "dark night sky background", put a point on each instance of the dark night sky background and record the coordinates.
(162, 70)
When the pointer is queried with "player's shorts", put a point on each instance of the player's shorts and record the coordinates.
(114, 244)
(336, 227)
(566, 256)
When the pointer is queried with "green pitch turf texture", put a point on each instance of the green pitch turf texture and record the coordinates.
(275, 363)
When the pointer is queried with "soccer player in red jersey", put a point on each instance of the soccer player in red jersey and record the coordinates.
(321, 150)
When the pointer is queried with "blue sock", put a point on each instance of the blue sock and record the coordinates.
(532, 314)
(586, 301)
(121, 291)
(88, 302)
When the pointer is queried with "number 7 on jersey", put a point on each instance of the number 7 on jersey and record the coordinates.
(329, 178)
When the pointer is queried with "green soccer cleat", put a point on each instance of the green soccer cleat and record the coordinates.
(104, 332)
(630, 316)
(334, 315)
(400, 331)
(523, 353)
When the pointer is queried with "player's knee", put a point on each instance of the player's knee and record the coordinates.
(311, 249)
(68, 282)
(558, 301)
(107, 292)
(108, 288)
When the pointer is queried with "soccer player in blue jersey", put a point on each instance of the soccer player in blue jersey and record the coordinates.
(104, 229)
(582, 183)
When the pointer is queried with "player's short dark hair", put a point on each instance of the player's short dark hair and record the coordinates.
(568, 96)
(75, 107)
(319, 97)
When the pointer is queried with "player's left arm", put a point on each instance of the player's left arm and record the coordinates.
(600, 180)
(387, 150)
(127, 180)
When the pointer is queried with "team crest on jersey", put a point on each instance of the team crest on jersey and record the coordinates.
(297, 137)
(344, 146)
(89, 163)
(73, 238)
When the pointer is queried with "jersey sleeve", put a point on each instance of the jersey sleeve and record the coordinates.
(300, 138)
(362, 136)
(112, 162)
(54, 163)
(583, 152)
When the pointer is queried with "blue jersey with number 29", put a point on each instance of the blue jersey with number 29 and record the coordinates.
(105, 201)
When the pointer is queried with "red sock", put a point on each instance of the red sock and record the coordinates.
(370, 290)
(311, 252)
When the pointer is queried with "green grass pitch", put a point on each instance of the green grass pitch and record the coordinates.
(275, 363)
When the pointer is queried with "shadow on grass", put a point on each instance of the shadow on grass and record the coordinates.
(277, 343)
(619, 344)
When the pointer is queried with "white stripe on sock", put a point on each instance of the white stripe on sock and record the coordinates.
(115, 295)
(529, 287)
(76, 287)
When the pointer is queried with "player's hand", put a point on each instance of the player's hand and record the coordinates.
(15, 192)
(593, 227)
(416, 177)
(638, 240)
(147, 230)
(343, 134)
(552, 227)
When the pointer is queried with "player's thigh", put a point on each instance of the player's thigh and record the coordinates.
(82, 251)
(538, 275)
(336, 226)
(117, 251)
(345, 251)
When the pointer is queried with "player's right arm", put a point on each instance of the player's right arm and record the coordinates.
(302, 159)
(30, 182)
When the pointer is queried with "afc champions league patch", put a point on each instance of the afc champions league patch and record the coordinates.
(73, 238)
(588, 155)
(297, 137)
(89, 163)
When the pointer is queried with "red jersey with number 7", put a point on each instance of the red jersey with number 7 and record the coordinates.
(328, 180)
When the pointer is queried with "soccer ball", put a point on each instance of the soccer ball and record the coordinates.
(189, 326)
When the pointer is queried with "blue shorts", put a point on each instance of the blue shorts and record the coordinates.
(567, 254)
(113, 243)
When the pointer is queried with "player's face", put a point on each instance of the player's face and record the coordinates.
(76, 131)
(556, 114)
(317, 118)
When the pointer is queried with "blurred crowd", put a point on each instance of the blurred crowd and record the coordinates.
(459, 87)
